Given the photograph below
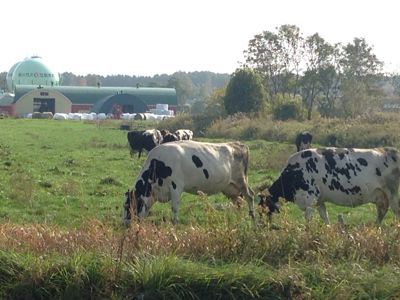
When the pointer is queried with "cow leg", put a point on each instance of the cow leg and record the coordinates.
(304, 201)
(175, 199)
(382, 205)
(308, 213)
(394, 205)
(248, 194)
(322, 211)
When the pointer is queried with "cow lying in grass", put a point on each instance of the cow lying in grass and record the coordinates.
(192, 167)
(348, 177)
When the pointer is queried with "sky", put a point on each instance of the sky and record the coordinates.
(149, 37)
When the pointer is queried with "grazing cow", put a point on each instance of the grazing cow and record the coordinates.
(168, 136)
(143, 139)
(192, 167)
(348, 177)
(184, 134)
(303, 141)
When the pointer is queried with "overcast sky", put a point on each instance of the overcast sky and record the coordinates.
(151, 37)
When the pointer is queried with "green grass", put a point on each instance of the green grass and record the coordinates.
(62, 185)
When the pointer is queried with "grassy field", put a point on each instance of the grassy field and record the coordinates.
(61, 191)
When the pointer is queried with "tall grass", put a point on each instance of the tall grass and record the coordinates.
(372, 130)
(222, 262)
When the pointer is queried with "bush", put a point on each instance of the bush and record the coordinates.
(287, 107)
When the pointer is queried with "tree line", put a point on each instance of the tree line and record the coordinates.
(336, 80)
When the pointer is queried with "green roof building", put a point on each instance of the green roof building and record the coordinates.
(37, 88)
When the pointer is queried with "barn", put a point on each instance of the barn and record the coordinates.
(33, 87)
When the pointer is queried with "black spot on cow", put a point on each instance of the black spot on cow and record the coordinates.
(306, 154)
(386, 165)
(336, 185)
(197, 162)
(330, 160)
(156, 172)
(351, 167)
(173, 185)
(206, 173)
(324, 180)
(291, 180)
(362, 161)
(343, 171)
(378, 172)
(310, 165)
(341, 155)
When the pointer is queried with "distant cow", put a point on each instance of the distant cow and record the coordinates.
(303, 140)
(348, 177)
(184, 134)
(168, 136)
(143, 139)
(192, 167)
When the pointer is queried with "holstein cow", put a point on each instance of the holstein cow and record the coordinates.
(168, 136)
(348, 177)
(193, 167)
(143, 139)
(303, 140)
(184, 134)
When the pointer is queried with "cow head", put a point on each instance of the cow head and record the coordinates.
(137, 206)
(267, 202)
(303, 141)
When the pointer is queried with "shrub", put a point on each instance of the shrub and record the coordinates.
(288, 107)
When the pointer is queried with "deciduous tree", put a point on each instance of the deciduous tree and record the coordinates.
(245, 92)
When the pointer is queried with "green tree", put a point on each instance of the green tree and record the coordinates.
(183, 85)
(245, 92)
(318, 56)
(215, 103)
(277, 56)
(358, 59)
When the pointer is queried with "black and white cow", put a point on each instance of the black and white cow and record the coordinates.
(168, 136)
(303, 140)
(143, 139)
(184, 134)
(192, 167)
(348, 177)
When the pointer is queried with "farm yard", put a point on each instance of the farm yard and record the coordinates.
(62, 188)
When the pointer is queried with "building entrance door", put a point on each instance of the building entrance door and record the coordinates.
(44, 105)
